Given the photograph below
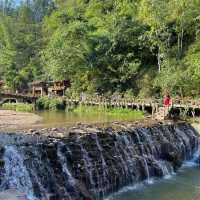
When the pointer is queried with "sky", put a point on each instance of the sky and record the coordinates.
(17, 1)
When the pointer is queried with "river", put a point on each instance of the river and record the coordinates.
(62, 118)
(184, 185)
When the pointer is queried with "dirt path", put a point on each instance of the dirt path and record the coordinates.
(16, 120)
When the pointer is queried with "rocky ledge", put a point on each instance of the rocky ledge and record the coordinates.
(89, 162)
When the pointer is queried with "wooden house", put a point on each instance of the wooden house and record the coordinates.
(53, 88)
(39, 88)
(58, 88)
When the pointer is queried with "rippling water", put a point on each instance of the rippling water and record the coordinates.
(185, 185)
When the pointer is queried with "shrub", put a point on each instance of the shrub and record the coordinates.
(23, 107)
(45, 103)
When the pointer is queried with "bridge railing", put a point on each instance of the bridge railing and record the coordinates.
(177, 102)
(116, 100)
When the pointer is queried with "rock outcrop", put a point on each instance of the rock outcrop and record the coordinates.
(88, 163)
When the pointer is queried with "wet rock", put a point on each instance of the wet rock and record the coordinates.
(60, 135)
(54, 129)
(2, 149)
(2, 162)
(171, 154)
(83, 189)
(31, 130)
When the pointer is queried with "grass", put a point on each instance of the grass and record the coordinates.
(113, 112)
(21, 107)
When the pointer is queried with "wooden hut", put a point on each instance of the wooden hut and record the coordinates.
(39, 88)
(58, 88)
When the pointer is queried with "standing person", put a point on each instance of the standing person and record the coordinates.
(167, 103)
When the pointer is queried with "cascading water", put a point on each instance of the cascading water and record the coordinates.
(71, 182)
(89, 164)
(16, 174)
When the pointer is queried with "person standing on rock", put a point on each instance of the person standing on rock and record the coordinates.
(167, 103)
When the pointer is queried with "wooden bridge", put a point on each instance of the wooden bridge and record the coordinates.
(154, 106)
(189, 107)
(16, 98)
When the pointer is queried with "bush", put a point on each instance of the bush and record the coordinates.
(23, 107)
(45, 103)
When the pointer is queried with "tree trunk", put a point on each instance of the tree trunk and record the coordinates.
(178, 44)
(182, 34)
(159, 61)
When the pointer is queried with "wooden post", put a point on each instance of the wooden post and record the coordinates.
(153, 110)
(193, 112)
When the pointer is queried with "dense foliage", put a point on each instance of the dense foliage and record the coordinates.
(139, 47)
(45, 103)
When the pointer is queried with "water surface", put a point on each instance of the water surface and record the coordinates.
(185, 185)
(59, 118)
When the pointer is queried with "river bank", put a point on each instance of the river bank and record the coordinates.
(12, 120)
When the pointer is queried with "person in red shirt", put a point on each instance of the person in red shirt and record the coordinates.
(167, 103)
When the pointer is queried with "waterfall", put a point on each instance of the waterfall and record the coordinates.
(65, 169)
(17, 176)
(90, 164)
(103, 180)
(146, 170)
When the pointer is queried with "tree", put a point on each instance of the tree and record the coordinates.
(155, 13)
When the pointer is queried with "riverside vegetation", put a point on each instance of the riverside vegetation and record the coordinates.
(18, 107)
(45, 103)
(137, 47)
(57, 104)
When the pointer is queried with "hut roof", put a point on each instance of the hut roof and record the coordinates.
(36, 83)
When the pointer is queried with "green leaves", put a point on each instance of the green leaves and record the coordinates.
(19, 46)
(103, 45)
(67, 51)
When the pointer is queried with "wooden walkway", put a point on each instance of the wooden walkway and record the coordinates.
(187, 106)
